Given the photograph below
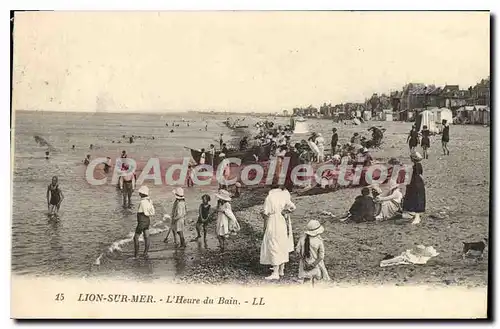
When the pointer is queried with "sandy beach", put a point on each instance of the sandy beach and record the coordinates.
(457, 185)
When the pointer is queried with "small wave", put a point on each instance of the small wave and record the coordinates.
(157, 228)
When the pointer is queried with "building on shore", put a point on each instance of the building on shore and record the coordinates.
(309, 111)
(480, 93)
(407, 103)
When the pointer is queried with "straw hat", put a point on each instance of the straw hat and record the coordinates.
(314, 228)
(319, 135)
(238, 184)
(179, 193)
(221, 155)
(336, 157)
(144, 190)
(223, 195)
(416, 156)
(364, 150)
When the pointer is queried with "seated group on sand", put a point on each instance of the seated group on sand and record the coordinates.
(383, 206)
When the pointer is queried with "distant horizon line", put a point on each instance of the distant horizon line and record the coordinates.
(148, 111)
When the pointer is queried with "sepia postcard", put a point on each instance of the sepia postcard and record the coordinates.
(259, 164)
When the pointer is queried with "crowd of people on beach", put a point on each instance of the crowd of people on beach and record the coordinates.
(371, 205)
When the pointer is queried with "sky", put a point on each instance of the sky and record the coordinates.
(237, 61)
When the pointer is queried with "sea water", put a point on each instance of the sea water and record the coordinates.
(92, 222)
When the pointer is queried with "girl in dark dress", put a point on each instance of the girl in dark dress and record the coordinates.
(412, 139)
(414, 199)
(426, 142)
(203, 217)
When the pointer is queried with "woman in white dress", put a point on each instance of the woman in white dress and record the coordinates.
(288, 197)
(275, 246)
(320, 142)
(226, 220)
(390, 205)
(311, 251)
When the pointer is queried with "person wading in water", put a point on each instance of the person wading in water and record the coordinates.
(145, 211)
(127, 185)
(54, 197)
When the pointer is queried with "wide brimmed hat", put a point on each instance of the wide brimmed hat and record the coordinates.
(144, 190)
(319, 134)
(221, 155)
(314, 228)
(238, 184)
(179, 193)
(416, 156)
(364, 150)
(223, 195)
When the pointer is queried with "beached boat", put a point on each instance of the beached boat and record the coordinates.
(233, 126)
(259, 153)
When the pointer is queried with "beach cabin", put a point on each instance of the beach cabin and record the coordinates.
(426, 118)
(386, 115)
(476, 115)
(464, 114)
(443, 113)
(486, 116)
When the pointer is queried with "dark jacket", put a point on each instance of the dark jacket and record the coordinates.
(363, 209)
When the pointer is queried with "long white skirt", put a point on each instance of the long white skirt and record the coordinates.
(388, 209)
(275, 247)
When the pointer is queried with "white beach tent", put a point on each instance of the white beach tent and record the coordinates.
(299, 125)
(443, 113)
(426, 118)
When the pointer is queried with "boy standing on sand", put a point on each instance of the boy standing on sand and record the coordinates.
(335, 139)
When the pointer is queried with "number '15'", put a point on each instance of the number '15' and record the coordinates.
(60, 297)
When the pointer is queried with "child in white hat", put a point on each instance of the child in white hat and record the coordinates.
(144, 213)
(179, 213)
(226, 220)
(311, 251)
